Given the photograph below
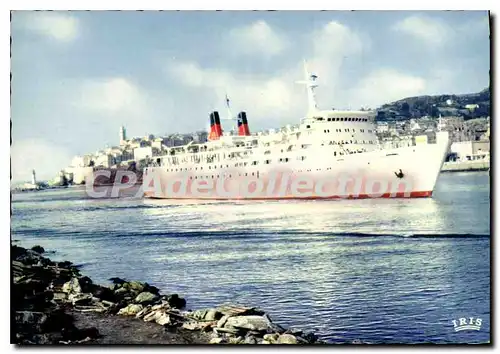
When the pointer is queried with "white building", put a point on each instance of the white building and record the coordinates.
(143, 152)
(105, 160)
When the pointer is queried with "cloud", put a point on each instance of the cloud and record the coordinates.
(112, 95)
(44, 157)
(336, 40)
(386, 85)
(264, 98)
(258, 38)
(111, 102)
(277, 96)
(60, 26)
(428, 30)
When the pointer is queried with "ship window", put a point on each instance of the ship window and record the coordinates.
(354, 130)
(351, 141)
(253, 173)
(308, 126)
(329, 119)
(254, 163)
(286, 159)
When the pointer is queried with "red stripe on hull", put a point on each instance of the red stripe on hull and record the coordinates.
(422, 194)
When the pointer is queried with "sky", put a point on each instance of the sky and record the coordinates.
(78, 76)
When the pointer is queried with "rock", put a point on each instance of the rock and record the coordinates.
(310, 337)
(206, 315)
(121, 292)
(235, 340)
(72, 287)
(117, 280)
(254, 323)
(250, 340)
(227, 330)
(130, 310)
(163, 319)
(287, 339)
(159, 306)
(144, 312)
(217, 340)
(103, 293)
(60, 297)
(222, 321)
(213, 315)
(145, 298)
(271, 337)
(86, 284)
(134, 285)
(175, 301)
(80, 299)
(152, 316)
(265, 342)
(38, 249)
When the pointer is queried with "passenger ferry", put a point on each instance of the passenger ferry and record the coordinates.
(329, 154)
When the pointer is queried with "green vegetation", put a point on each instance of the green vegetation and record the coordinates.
(434, 106)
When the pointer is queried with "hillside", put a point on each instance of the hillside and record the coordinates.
(445, 105)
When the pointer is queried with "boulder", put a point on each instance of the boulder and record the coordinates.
(287, 339)
(72, 287)
(152, 316)
(206, 315)
(271, 337)
(116, 280)
(103, 293)
(222, 321)
(162, 319)
(265, 342)
(175, 301)
(213, 315)
(80, 299)
(253, 323)
(236, 340)
(121, 292)
(216, 340)
(130, 310)
(60, 296)
(250, 340)
(86, 284)
(146, 298)
(134, 285)
(38, 249)
(144, 312)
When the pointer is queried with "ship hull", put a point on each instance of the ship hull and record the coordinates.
(409, 172)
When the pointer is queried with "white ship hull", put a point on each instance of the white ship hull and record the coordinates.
(367, 175)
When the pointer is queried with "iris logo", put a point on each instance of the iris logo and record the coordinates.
(464, 324)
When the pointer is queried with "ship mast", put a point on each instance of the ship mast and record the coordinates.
(230, 116)
(310, 82)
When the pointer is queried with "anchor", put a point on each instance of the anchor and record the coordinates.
(399, 174)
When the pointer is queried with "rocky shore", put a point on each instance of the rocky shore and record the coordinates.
(53, 303)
